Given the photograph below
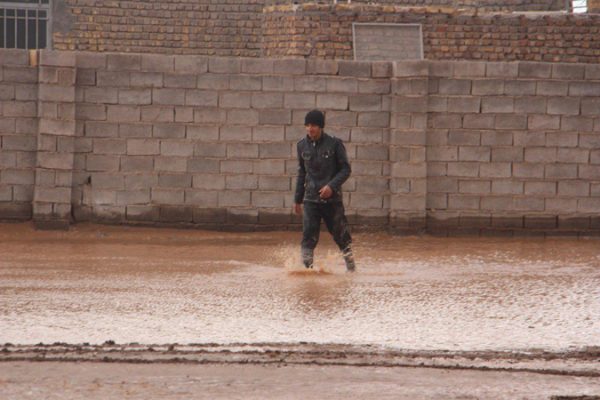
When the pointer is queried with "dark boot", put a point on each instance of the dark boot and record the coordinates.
(349, 259)
(307, 257)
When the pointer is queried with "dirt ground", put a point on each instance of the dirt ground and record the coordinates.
(95, 381)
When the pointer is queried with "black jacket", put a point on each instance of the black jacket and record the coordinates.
(321, 163)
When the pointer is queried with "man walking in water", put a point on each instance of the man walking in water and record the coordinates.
(322, 169)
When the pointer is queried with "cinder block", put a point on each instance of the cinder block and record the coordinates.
(409, 104)
(191, 64)
(20, 109)
(241, 182)
(410, 68)
(445, 121)
(478, 121)
(184, 114)
(168, 97)
(373, 152)
(461, 137)
(530, 105)
(540, 222)
(322, 67)
(235, 133)
(115, 79)
(561, 171)
(210, 116)
(552, 88)
(374, 119)
(510, 121)
(167, 196)
(300, 100)
(123, 113)
(141, 147)
(332, 102)
(267, 100)
(128, 197)
(559, 139)
(168, 213)
(278, 84)
(497, 203)
(101, 95)
(180, 81)
(342, 85)
(568, 71)
(20, 74)
(529, 139)
(157, 63)
(590, 106)
(124, 62)
(289, 66)
(208, 181)
(497, 105)
(142, 213)
(268, 133)
(589, 172)
(474, 186)
(110, 146)
(543, 122)
(213, 82)
(234, 198)
(577, 124)
(365, 103)
(23, 92)
(101, 129)
(529, 203)
(360, 69)
(589, 205)
(18, 143)
(136, 164)
(455, 86)
(22, 176)
(266, 199)
(541, 155)
(458, 169)
(235, 100)
(101, 180)
(100, 163)
(201, 198)
(180, 148)
(507, 154)
(535, 70)
(244, 82)
(242, 117)
(92, 60)
(507, 187)
(528, 170)
(242, 150)
(374, 86)
(463, 202)
(236, 166)
(274, 183)
(563, 105)
(167, 180)
(270, 167)
(519, 87)
(488, 87)
(275, 117)
(276, 150)
(341, 118)
(224, 65)
(495, 170)
(471, 153)
(257, 66)
(135, 130)
(589, 141)
(215, 150)
(540, 188)
(91, 112)
(168, 131)
(469, 69)
(563, 206)
(138, 79)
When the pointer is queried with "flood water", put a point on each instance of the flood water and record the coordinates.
(155, 286)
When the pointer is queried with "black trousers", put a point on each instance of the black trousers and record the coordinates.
(335, 220)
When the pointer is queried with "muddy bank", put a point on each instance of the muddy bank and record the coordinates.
(585, 363)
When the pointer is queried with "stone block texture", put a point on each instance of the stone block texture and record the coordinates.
(433, 145)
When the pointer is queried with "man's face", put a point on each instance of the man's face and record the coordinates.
(313, 131)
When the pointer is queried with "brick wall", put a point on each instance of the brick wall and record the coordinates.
(210, 27)
(189, 140)
(481, 5)
(325, 31)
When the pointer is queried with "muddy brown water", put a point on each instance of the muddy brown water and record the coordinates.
(145, 285)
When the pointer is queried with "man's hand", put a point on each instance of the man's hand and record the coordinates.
(325, 192)
(298, 208)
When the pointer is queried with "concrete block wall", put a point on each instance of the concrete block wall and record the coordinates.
(470, 147)
(513, 146)
(18, 133)
(211, 141)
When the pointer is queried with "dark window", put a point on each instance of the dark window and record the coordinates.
(24, 24)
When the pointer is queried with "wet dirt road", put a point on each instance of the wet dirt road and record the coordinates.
(157, 286)
(136, 313)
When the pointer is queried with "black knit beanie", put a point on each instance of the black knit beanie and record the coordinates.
(315, 117)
